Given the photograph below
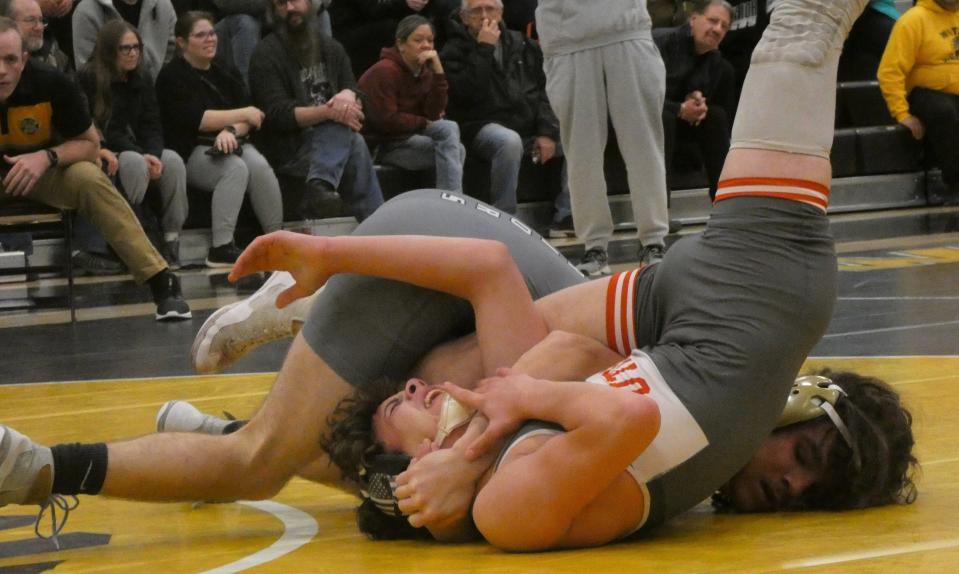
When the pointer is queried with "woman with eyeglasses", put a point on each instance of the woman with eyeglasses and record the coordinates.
(125, 111)
(207, 118)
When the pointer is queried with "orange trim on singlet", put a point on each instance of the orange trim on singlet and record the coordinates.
(775, 182)
(611, 312)
(803, 191)
(620, 309)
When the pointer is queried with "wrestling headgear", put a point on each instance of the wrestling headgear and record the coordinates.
(379, 474)
(811, 397)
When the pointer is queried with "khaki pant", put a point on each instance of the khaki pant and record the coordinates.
(84, 188)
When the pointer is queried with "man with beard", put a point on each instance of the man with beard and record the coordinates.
(30, 21)
(305, 85)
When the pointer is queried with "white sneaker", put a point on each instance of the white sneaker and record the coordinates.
(26, 469)
(240, 327)
(181, 416)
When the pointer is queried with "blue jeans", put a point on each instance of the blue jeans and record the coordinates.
(239, 35)
(503, 149)
(340, 157)
(436, 146)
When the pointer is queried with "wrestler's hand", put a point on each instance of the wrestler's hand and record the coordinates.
(438, 488)
(299, 254)
(502, 399)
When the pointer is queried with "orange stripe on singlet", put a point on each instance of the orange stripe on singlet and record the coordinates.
(620, 305)
(810, 192)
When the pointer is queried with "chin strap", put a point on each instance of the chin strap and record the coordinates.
(841, 427)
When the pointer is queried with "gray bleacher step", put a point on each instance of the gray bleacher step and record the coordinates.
(690, 206)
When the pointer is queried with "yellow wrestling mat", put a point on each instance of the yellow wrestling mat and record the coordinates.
(309, 528)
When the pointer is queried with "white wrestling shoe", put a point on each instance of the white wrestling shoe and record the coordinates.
(240, 327)
(26, 469)
(181, 416)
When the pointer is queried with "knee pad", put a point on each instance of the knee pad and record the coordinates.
(807, 32)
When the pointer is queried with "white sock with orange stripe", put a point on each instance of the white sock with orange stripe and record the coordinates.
(788, 101)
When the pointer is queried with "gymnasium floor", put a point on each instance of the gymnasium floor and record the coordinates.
(105, 377)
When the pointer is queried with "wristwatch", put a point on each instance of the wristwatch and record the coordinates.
(52, 156)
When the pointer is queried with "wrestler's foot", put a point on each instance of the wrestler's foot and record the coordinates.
(181, 416)
(26, 469)
(240, 327)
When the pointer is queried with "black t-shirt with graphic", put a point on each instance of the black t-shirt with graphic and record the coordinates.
(44, 109)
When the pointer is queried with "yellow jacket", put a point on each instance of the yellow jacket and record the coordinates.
(923, 51)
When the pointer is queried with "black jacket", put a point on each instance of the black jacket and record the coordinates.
(687, 71)
(482, 91)
(134, 122)
(277, 90)
(185, 95)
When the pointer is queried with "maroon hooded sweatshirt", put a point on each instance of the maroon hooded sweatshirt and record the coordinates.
(399, 104)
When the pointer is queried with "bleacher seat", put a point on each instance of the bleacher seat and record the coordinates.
(860, 105)
(32, 218)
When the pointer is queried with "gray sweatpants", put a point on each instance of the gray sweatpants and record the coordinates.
(134, 177)
(230, 178)
(626, 82)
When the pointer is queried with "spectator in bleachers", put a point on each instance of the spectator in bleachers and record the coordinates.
(153, 19)
(867, 41)
(48, 152)
(31, 22)
(407, 95)
(700, 86)
(313, 114)
(124, 107)
(498, 97)
(364, 27)
(238, 27)
(58, 33)
(208, 120)
(919, 77)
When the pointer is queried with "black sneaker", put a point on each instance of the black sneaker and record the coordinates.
(320, 200)
(223, 255)
(93, 264)
(169, 298)
(651, 254)
(562, 229)
(595, 263)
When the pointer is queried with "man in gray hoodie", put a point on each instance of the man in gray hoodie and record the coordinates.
(154, 19)
(601, 62)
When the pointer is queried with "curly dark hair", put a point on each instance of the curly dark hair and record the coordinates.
(882, 429)
(351, 444)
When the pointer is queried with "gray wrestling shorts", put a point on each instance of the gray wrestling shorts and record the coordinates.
(728, 318)
(365, 328)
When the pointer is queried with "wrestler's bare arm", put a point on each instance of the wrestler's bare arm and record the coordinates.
(574, 482)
